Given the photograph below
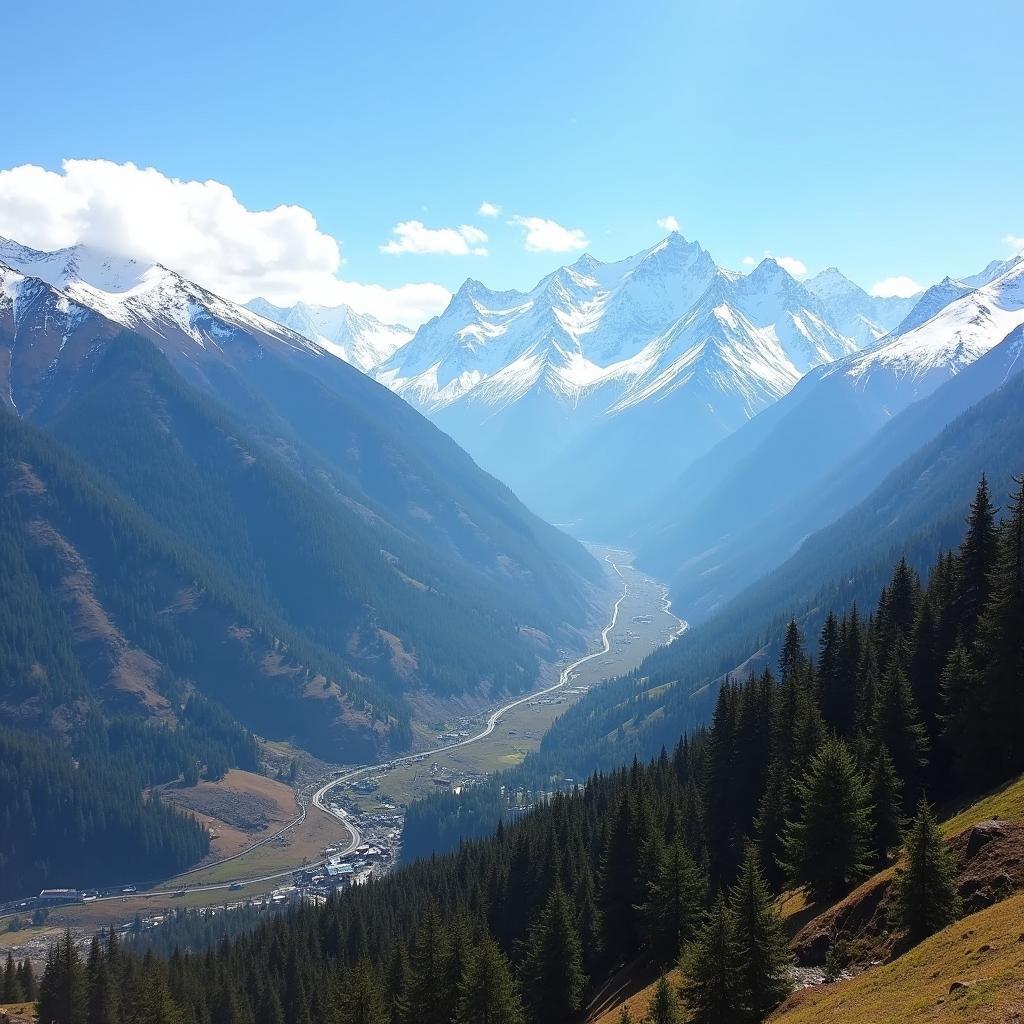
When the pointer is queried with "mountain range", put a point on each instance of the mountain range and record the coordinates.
(204, 500)
(357, 338)
(587, 387)
(798, 457)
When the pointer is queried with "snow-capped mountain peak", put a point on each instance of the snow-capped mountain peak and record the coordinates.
(938, 346)
(357, 338)
(854, 312)
(141, 295)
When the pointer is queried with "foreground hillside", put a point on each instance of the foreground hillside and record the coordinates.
(973, 970)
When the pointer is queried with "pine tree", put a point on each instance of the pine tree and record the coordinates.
(428, 1000)
(1000, 648)
(887, 823)
(362, 1001)
(964, 733)
(675, 903)
(713, 988)
(664, 1007)
(827, 847)
(775, 810)
(896, 725)
(925, 893)
(843, 717)
(618, 886)
(625, 1017)
(553, 977)
(11, 991)
(792, 660)
(925, 670)
(761, 937)
(104, 1001)
(487, 992)
(271, 1011)
(830, 683)
(27, 978)
(975, 562)
(399, 983)
(63, 992)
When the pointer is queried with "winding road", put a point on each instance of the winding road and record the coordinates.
(319, 798)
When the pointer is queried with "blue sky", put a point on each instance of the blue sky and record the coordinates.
(885, 138)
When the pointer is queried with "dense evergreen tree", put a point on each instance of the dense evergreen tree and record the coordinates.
(487, 991)
(975, 563)
(362, 1001)
(764, 954)
(827, 846)
(676, 897)
(1000, 650)
(11, 990)
(553, 977)
(428, 998)
(897, 727)
(884, 794)
(664, 1006)
(925, 892)
(792, 660)
(63, 991)
(714, 987)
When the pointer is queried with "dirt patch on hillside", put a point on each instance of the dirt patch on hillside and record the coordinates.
(235, 805)
(126, 676)
(237, 809)
(990, 867)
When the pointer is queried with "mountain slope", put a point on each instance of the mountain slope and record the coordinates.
(322, 416)
(918, 510)
(770, 536)
(115, 620)
(692, 526)
(354, 527)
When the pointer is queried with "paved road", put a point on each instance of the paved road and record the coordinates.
(493, 721)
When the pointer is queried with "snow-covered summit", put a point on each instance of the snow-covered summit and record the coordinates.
(358, 338)
(864, 318)
(141, 295)
(915, 361)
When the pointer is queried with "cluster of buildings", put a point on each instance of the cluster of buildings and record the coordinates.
(375, 856)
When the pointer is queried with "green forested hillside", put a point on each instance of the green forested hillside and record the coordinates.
(807, 776)
(71, 824)
(401, 613)
(916, 512)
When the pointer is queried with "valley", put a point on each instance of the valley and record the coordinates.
(278, 858)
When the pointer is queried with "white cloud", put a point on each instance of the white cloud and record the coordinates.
(413, 236)
(201, 230)
(749, 261)
(541, 235)
(1015, 243)
(668, 223)
(901, 287)
(489, 209)
(790, 263)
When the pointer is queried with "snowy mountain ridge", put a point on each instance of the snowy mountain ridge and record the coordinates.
(135, 294)
(604, 335)
(358, 338)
